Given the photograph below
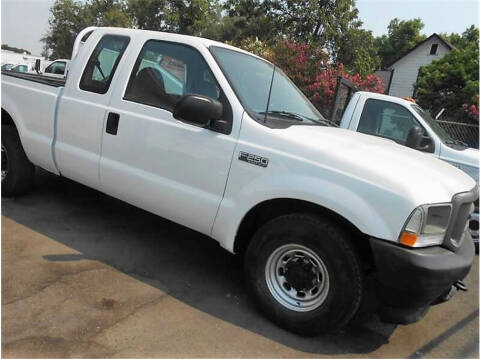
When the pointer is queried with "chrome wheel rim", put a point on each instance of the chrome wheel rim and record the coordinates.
(297, 278)
(4, 163)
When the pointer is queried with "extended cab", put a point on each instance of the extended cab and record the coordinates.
(221, 141)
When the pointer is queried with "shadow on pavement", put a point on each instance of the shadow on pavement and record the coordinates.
(183, 263)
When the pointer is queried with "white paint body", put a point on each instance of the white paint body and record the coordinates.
(468, 160)
(192, 175)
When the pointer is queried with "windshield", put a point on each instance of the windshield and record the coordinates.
(263, 89)
(444, 136)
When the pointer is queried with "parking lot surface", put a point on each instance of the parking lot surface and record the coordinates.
(85, 275)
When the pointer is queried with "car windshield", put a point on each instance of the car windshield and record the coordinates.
(7, 66)
(444, 136)
(264, 90)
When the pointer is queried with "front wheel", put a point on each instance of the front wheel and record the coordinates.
(17, 170)
(304, 274)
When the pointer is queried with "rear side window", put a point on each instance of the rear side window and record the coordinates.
(102, 64)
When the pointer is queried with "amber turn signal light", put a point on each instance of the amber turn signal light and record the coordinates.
(408, 239)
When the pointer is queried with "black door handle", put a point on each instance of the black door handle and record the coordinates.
(112, 123)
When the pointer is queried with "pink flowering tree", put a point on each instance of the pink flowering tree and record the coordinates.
(310, 70)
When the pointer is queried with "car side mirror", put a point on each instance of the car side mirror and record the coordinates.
(417, 141)
(414, 137)
(199, 110)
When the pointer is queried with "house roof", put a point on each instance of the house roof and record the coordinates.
(442, 40)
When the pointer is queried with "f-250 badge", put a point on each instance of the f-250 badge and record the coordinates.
(253, 159)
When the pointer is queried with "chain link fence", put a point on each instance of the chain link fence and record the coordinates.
(464, 132)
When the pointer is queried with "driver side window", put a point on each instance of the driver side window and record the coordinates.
(386, 119)
(102, 64)
(165, 71)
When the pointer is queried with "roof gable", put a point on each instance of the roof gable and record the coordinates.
(434, 35)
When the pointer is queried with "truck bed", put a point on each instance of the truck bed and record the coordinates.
(46, 80)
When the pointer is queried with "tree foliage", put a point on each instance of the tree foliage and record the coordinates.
(358, 53)
(69, 17)
(452, 82)
(314, 41)
(310, 69)
(402, 36)
(15, 49)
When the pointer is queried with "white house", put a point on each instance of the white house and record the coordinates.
(401, 75)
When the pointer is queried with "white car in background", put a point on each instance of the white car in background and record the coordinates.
(57, 68)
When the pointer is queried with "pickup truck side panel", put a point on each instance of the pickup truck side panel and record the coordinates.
(34, 122)
(249, 185)
(81, 118)
(169, 167)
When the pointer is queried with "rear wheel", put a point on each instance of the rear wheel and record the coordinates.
(303, 273)
(17, 170)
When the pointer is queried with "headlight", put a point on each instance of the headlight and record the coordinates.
(426, 226)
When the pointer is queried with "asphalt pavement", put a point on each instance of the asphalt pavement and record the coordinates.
(86, 275)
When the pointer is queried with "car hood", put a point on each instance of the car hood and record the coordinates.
(382, 162)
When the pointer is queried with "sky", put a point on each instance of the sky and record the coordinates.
(24, 22)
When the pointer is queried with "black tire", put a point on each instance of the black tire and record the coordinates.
(329, 242)
(20, 171)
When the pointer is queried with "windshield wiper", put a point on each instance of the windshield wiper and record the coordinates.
(298, 117)
(292, 115)
(456, 142)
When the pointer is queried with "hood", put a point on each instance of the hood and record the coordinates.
(466, 159)
(382, 162)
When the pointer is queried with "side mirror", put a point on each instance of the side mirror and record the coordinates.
(414, 137)
(199, 110)
(417, 141)
(37, 66)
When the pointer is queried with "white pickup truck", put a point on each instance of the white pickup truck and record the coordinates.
(221, 141)
(407, 124)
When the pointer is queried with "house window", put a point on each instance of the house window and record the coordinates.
(433, 49)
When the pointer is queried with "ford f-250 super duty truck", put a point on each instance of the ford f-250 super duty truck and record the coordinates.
(406, 123)
(221, 141)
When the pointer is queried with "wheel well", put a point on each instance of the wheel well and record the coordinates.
(268, 210)
(7, 119)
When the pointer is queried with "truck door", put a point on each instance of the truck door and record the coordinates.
(154, 161)
(343, 93)
(82, 109)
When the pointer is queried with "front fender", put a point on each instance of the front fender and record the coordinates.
(353, 206)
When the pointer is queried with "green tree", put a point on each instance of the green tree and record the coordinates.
(148, 14)
(107, 13)
(319, 22)
(69, 17)
(15, 49)
(246, 19)
(402, 36)
(452, 82)
(462, 40)
(190, 17)
(357, 51)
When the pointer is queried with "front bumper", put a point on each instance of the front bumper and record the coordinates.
(410, 280)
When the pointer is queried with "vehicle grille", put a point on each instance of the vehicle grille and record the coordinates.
(462, 206)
